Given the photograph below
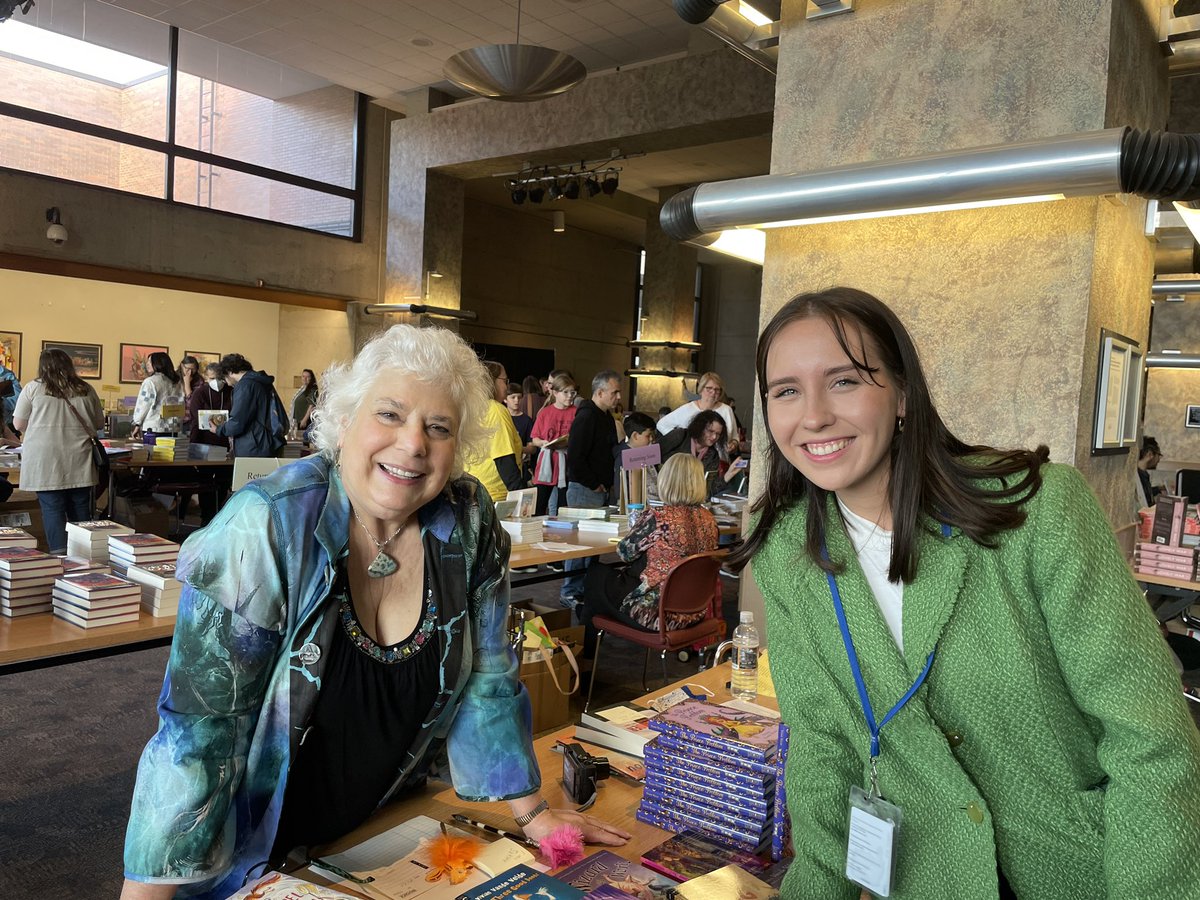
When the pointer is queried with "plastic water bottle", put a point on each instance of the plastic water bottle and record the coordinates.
(635, 512)
(744, 685)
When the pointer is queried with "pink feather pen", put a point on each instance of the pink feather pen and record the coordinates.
(562, 847)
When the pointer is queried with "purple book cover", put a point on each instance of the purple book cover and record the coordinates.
(750, 822)
(606, 892)
(25, 555)
(679, 765)
(605, 868)
(750, 771)
(692, 854)
(756, 836)
(690, 792)
(734, 731)
(652, 814)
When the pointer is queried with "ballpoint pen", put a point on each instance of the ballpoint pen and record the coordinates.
(492, 829)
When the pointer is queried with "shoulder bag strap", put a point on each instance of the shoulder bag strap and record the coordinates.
(91, 432)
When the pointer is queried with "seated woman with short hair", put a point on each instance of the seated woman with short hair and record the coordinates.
(661, 539)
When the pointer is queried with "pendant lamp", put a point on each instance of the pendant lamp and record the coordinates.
(514, 72)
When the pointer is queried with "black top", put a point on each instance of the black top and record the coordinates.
(590, 447)
(524, 426)
(372, 701)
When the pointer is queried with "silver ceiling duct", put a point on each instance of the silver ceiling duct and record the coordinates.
(1172, 361)
(1179, 286)
(723, 20)
(514, 72)
(1117, 160)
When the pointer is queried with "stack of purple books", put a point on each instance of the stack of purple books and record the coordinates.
(713, 769)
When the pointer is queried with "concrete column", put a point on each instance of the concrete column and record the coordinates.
(668, 304)
(1006, 304)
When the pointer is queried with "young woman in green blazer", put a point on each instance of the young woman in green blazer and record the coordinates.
(1046, 752)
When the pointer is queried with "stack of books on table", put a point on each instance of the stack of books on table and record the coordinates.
(210, 452)
(523, 531)
(621, 728)
(137, 549)
(293, 450)
(89, 540)
(93, 600)
(78, 565)
(1165, 560)
(160, 590)
(16, 537)
(713, 769)
(26, 579)
(616, 527)
(169, 449)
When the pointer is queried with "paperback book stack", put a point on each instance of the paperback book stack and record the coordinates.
(1163, 559)
(713, 769)
(293, 450)
(160, 590)
(93, 600)
(26, 580)
(621, 728)
(523, 531)
(617, 527)
(89, 540)
(78, 565)
(16, 537)
(137, 549)
(169, 449)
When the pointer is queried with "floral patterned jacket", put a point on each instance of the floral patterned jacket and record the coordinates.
(246, 664)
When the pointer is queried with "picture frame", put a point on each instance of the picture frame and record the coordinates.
(10, 351)
(88, 358)
(203, 357)
(1192, 418)
(135, 361)
(1118, 394)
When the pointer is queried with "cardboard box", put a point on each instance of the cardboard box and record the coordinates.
(146, 516)
(22, 511)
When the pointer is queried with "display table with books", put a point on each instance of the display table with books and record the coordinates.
(619, 872)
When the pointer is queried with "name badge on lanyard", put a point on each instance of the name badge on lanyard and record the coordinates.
(874, 823)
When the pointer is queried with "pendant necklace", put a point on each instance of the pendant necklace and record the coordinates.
(382, 565)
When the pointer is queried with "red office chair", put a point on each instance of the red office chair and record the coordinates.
(693, 586)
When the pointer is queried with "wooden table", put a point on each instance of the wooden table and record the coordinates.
(30, 642)
(617, 799)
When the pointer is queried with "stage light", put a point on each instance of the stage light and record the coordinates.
(554, 190)
(571, 191)
(518, 194)
(609, 185)
(536, 194)
(593, 186)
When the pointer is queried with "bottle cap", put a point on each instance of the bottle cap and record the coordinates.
(632, 506)
(747, 617)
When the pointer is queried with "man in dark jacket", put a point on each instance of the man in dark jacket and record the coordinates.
(257, 421)
(590, 464)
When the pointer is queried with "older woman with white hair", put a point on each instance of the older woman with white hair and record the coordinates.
(711, 389)
(342, 621)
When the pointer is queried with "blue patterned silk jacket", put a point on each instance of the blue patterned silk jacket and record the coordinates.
(246, 664)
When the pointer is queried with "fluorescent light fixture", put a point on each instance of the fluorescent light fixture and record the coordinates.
(66, 54)
(749, 12)
(1171, 352)
(420, 309)
(749, 244)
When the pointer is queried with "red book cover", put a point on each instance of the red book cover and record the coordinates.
(140, 539)
(14, 558)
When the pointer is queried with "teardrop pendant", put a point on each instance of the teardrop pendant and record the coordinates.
(382, 566)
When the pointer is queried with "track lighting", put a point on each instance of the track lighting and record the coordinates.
(609, 185)
(518, 195)
(571, 189)
(536, 194)
(592, 186)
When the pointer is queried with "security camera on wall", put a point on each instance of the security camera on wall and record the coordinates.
(56, 232)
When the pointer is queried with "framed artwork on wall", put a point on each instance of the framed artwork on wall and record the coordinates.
(1118, 394)
(203, 357)
(10, 351)
(1192, 419)
(87, 357)
(135, 362)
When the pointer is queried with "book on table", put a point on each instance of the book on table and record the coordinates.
(605, 869)
(732, 731)
(94, 586)
(160, 576)
(72, 618)
(26, 561)
(81, 565)
(523, 882)
(17, 537)
(691, 854)
(622, 728)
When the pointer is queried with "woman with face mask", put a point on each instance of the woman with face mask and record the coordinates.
(211, 396)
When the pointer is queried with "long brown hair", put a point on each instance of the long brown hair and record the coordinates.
(933, 473)
(57, 372)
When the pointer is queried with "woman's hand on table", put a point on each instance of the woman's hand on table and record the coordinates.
(595, 831)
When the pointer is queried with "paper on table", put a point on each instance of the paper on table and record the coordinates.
(621, 714)
(558, 547)
(766, 685)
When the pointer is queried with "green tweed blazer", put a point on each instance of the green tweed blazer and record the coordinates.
(1051, 737)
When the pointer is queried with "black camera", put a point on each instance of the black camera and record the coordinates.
(581, 772)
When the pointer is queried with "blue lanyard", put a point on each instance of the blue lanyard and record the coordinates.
(856, 670)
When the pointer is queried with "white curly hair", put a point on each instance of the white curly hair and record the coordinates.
(431, 356)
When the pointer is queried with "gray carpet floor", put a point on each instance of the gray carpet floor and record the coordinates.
(70, 737)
